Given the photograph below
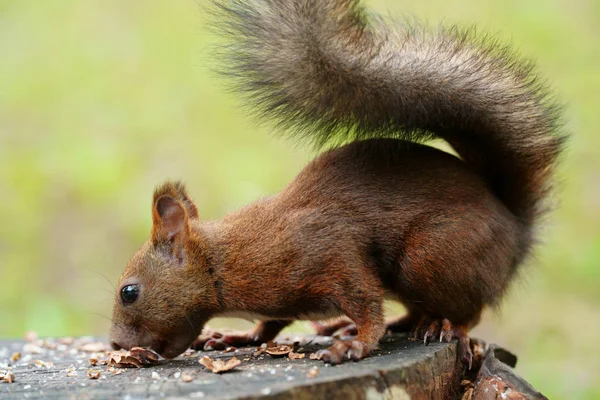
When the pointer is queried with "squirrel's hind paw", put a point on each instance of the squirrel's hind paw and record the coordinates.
(429, 329)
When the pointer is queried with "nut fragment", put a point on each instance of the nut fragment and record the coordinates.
(136, 357)
(96, 360)
(32, 348)
(145, 356)
(155, 376)
(468, 394)
(467, 384)
(114, 371)
(296, 356)
(7, 377)
(278, 350)
(190, 353)
(94, 373)
(45, 364)
(15, 357)
(188, 376)
(314, 356)
(313, 372)
(48, 344)
(218, 366)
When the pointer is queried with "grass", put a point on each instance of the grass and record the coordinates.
(100, 100)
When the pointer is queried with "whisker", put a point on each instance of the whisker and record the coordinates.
(105, 278)
(191, 325)
(106, 290)
(101, 315)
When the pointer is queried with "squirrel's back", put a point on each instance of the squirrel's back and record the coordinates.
(329, 72)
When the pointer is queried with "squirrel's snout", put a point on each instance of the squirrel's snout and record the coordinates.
(115, 345)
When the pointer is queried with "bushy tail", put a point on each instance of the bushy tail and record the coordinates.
(328, 72)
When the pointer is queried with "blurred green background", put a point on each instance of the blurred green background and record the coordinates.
(100, 100)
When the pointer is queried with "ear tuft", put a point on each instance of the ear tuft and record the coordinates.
(176, 190)
(169, 218)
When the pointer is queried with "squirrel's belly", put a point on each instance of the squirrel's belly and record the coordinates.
(312, 315)
(248, 316)
(320, 315)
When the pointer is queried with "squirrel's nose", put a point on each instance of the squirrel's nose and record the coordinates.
(115, 345)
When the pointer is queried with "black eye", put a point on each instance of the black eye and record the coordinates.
(130, 293)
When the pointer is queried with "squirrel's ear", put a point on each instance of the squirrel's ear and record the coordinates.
(169, 220)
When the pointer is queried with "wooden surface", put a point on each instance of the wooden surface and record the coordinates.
(401, 369)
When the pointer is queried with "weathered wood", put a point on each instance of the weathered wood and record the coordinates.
(400, 369)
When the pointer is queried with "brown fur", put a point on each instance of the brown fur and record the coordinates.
(380, 215)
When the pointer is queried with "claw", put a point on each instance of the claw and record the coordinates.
(469, 359)
(208, 346)
(427, 329)
(354, 350)
(446, 332)
(352, 355)
(432, 330)
(214, 344)
(464, 348)
(328, 357)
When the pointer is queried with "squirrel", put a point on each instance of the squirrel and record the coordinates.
(378, 214)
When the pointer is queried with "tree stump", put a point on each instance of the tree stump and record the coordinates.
(399, 369)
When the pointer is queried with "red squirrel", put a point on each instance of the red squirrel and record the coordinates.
(378, 214)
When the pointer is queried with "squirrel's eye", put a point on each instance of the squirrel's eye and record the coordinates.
(130, 293)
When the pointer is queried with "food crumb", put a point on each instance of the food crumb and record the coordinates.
(94, 373)
(313, 372)
(296, 356)
(45, 364)
(32, 348)
(187, 376)
(218, 366)
(155, 376)
(7, 377)
(115, 371)
(190, 353)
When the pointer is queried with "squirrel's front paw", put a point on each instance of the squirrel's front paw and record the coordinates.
(212, 340)
(353, 349)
